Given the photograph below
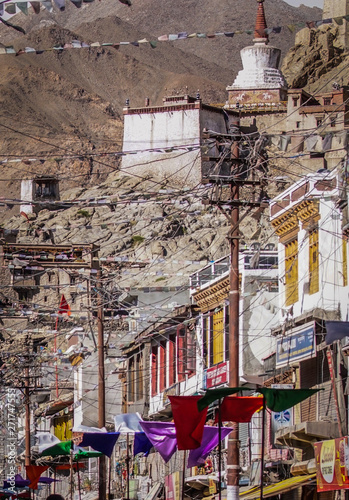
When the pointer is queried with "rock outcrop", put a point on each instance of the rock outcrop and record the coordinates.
(316, 53)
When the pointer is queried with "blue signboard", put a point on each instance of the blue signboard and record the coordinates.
(298, 345)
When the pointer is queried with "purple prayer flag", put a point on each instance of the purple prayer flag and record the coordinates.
(162, 435)
(141, 444)
(47, 480)
(209, 442)
(100, 441)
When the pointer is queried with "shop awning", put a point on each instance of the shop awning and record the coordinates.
(278, 488)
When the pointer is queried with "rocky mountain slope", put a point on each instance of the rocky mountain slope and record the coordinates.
(65, 110)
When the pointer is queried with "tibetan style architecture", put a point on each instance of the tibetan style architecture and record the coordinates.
(260, 83)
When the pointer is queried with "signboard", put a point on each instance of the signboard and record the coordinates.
(332, 459)
(172, 486)
(298, 345)
(216, 375)
(211, 487)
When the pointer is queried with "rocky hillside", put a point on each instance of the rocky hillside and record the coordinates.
(315, 60)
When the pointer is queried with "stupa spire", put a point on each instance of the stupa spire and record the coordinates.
(261, 24)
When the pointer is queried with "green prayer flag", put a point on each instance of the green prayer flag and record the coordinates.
(81, 454)
(58, 449)
(338, 20)
(153, 44)
(214, 394)
(275, 399)
(282, 399)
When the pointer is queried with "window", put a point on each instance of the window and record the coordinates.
(226, 326)
(206, 341)
(181, 353)
(218, 337)
(345, 262)
(333, 121)
(139, 377)
(162, 367)
(172, 360)
(291, 272)
(191, 349)
(295, 102)
(154, 370)
(318, 122)
(313, 261)
(327, 101)
(298, 124)
(131, 379)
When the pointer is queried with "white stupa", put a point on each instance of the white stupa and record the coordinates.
(260, 81)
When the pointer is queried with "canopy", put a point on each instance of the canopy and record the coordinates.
(278, 488)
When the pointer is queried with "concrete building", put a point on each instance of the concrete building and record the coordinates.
(310, 219)
(168, 139)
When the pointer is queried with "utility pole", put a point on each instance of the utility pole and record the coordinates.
(231, 209)
(102, 485)
(233, 462)
(27, 414)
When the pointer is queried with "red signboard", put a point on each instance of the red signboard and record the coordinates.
(217, 375)
(332, 464)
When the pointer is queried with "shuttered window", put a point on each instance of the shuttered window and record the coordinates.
(162, 367)
(218, 337)
(154, 371)
(181, 353)
(313, 261)
(139, 379)
(345, 262)
(291, 272)
(206, 341)
(131, 379)
(172, 360)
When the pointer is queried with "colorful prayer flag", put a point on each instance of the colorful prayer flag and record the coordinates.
(239, 408)
(189, 421)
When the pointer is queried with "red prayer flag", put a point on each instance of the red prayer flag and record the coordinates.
(64, 307)
(189, 422)
(33, 474)
(239, 408)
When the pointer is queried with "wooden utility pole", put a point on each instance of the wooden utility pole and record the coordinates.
(27, 414)
(233, 462)
(231, 209)
(102, 485)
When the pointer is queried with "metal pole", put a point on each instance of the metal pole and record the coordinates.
(71, 475)
(262, 451)
(109, 478)
(233, 465)
(127, 468)
(183, 475)
(78, 473)
(102, 485)
(219, 450)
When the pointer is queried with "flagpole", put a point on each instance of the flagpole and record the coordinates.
(102, 480)
(219, 450)
(71, 474)
(79, 485)
(183, 475)
(127, 469)
(109, 478)
(262, 452)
